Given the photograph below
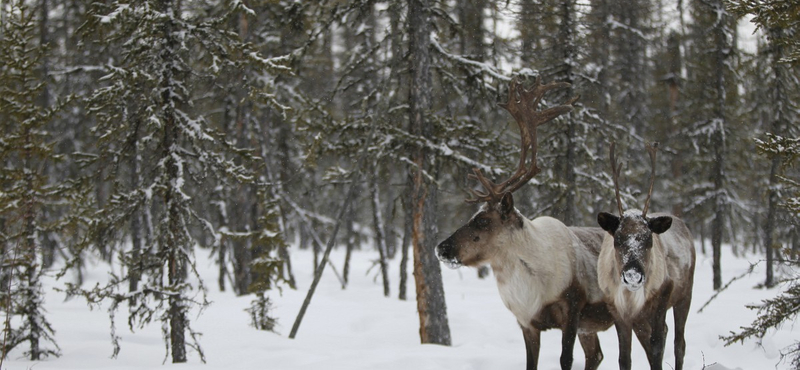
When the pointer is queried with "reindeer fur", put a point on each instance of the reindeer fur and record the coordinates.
(669, 267)
(545, 272)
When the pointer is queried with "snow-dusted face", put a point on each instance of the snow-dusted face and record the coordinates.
(633, 240)
(477, 242)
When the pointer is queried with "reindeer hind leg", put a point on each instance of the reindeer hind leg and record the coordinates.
(591, 347)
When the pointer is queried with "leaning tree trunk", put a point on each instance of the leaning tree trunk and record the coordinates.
(431, 306)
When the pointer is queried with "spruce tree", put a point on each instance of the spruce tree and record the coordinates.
(26, 194)
(147, 114)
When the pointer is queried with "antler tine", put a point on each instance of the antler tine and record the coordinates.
(651, 149)
(615, 169)
(522, 105)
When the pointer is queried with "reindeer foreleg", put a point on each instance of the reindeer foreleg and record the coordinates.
(532, 344)
(658, 324)
(624, 337)
(681, 312)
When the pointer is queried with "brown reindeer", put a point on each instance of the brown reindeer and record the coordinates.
(545, 271)
(646, 267)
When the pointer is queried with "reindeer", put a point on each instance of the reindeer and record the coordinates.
(545, 271)
(646, 267)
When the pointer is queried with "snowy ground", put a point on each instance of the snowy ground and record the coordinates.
(358, 328)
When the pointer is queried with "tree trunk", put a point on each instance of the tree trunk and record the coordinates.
(431, 305)
(172, 241)
(30, 278)
(673, 85)
(718, 141)
(380, 233)
(568, 54)
(408, 221)
(779, 101)
(349, 246)
(769, 225)
(135, 268)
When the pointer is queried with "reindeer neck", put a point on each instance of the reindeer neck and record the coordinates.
(534, 266)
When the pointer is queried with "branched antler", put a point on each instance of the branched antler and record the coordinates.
(615, 169)
(522, 105)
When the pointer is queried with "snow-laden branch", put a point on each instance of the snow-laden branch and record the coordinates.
(485, 67)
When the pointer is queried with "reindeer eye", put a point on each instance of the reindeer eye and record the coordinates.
(482, 222)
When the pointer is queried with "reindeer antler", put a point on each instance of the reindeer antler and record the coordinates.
(651, 149)
(615, 168)
(522, 105)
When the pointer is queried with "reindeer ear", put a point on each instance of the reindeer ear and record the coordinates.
(506, 204)
(608, 222)
(660, 224)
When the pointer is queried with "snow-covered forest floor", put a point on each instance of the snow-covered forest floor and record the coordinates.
(358, 328)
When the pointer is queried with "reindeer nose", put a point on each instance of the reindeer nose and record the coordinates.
(446, 253)
(632, 279)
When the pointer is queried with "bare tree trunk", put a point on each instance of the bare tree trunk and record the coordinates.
(718, 141)
(380, 233)
(407, 223)
(567, 53)
(391, 232)
(769, 225)
(779, 102)
(703, 237)
(349, 246)
(431, 305)
(135, 269)
(675, 61)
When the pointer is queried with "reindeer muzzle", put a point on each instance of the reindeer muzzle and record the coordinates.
(633, 278)
(446, 253)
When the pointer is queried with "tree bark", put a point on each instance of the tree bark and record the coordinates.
(431, 305)
(380, 233)
(172, 247)
(779, 102)
(718, 140)
(408, 220)
(568, 54)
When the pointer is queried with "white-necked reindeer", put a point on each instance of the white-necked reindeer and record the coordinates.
(545, 271)
(646, 267)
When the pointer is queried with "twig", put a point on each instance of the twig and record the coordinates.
(332, 239)
(748, 272)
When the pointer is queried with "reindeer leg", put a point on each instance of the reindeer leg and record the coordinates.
(681, 312)
(569, 332)
(591, 347)
(532, 344)
(643, 333)
(658, 337)
(624, 337)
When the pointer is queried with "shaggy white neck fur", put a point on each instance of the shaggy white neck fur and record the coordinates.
(534, 266)
(628, 303)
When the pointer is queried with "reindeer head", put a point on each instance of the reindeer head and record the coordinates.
(478, 241)
(633, 230)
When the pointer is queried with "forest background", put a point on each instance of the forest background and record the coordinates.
(145, 132)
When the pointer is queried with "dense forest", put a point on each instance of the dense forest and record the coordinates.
(142, 133)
